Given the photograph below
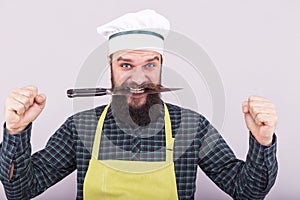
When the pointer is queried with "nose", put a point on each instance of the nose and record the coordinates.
(139, 76)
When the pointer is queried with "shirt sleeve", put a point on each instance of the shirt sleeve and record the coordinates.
(33, 174)
(250, 179)
(12, 148)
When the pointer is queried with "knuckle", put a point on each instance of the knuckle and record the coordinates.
(9, 97)
(9, 101)
(23, 107)
(14, 92)
(257, 121)
(30, 93)
(20, 108)
(259, 117)
(254, 109)
(27, 100)
(250, 103)
(32, 88)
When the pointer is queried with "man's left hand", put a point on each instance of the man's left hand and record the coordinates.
(261, 118)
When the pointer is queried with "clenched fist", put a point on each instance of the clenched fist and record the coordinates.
(22, 106)
(261, 118)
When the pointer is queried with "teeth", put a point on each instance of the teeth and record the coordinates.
(136, 90)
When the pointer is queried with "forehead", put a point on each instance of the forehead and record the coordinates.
(135, 55)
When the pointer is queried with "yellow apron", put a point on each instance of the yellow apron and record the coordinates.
(131, 180)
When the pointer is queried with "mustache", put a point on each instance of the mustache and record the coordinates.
(133, 87)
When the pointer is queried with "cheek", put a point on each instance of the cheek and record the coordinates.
(118, 77)
(155, 76)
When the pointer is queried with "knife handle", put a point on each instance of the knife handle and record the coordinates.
(87, 92)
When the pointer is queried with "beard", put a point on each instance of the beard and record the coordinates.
(132, 114)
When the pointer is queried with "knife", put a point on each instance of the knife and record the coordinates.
(90, 92)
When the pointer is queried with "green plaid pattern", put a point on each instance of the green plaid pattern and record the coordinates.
(197, 143)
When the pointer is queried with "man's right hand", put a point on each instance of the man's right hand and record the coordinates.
(22, 106)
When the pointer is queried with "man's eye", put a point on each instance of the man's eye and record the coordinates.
(150, 65)
(126, 65)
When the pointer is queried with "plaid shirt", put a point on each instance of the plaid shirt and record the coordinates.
(197, 142)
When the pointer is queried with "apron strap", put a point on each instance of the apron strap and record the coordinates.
(97, 138)
(168, 133)
(169, 138)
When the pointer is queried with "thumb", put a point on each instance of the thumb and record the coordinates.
(40, 100)
(250, 123)
(245, 107)
(36, 108)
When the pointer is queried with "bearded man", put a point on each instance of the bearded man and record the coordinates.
(141, 147)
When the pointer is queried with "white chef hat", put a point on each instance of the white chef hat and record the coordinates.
(145, 29)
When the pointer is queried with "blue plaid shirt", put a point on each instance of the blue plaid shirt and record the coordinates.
(197, 143)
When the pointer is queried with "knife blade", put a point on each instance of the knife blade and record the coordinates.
(91, 92)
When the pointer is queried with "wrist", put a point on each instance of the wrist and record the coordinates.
(14, 131)
(265, 141)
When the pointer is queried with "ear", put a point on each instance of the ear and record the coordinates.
(109, 59)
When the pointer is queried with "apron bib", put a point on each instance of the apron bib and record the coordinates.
(131, 180)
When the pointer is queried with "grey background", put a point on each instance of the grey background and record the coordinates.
(255, 46)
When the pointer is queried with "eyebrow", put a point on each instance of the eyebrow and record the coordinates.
(130, 60)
